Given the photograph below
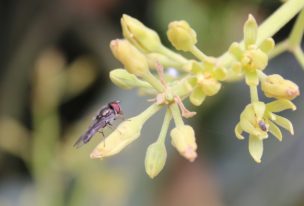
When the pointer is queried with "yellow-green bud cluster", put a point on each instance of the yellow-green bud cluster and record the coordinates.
(142, 55)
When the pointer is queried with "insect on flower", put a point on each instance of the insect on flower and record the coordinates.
(263, 126)
(106, 115)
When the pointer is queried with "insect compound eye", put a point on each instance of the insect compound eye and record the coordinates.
(116, 106)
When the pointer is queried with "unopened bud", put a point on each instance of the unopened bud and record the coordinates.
(277, 87)
(132, 59)
(183, 140)
(125, 80)
(181, 35)
(156, 156)
(127, 132)
(142, 37)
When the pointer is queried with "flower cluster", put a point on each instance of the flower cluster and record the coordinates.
(258, 118)
(145, 63)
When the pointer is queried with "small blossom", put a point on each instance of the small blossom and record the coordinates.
(183, 140)
(142, 37)
(258, 119)
(181, 35)
(277, 87)
(156, 156)
(206, 81)
(251, 57)
(132, 59)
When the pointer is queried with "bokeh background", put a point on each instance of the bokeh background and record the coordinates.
(54, 65)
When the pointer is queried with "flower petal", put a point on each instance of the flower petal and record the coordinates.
(197, 96)
(252, 78)
(250, 31)
(238, 131)
(259, 109)
(255, 148)
(283, 122)
(275, 131)
(280, 105)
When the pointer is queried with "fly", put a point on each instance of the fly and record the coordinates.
(262, 125)
(106, 115)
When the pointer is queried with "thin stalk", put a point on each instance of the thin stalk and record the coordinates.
(165, 126)
(254, 94)
(298, 53)
(176, 115)
(296, 34)
(149, 77)
(279, 49)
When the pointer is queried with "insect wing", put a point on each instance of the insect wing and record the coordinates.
(99, 123)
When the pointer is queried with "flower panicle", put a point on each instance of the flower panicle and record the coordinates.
(146, 61)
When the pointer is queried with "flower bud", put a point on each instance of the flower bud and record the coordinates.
(125, 80)
(156, 156)
(277, 87)
(142, 37)
(181, 35)
(133, 61)
(183, 140)
(125, 133)
(250, 31)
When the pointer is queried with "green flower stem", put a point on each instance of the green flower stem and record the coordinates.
(278, 49)
(278, 19)
(149, 77)
(254, 93)
(199, 54)
(271, 25)
(165, 126)
(296, 34)
(171, 54)
(149, 112)
(176, 115)
(298, 52)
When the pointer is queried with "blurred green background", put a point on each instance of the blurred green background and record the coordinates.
(54, 65)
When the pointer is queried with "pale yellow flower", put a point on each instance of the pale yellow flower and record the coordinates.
(258, 119)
